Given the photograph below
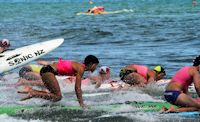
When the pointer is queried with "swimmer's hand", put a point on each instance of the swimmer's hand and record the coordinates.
(98, 84)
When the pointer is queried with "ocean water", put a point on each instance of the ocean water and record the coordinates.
(148, 32)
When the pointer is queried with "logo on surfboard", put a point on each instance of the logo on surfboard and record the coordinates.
(18, 60)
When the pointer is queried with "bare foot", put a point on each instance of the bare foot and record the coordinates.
(171, 109)
(163, 110)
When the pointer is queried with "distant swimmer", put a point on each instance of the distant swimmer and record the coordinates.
(4, 45)
(97, 10)
(91, 2)
(62, 67)
(140, 75)
(194, 2)
(176, 92)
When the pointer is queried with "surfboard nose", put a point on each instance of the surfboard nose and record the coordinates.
(54, 42)
(21, 56)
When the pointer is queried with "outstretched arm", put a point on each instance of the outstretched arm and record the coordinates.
(79, 74)
(151, 76)
(42, 62)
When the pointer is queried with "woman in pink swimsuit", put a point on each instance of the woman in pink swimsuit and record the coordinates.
(62, 67)
(177, 90)
(140, 75)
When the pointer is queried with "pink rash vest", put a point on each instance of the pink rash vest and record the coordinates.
(183, 77)
(64, 67)
(142, 70)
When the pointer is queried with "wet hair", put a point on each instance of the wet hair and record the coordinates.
(23, 71)
(91, 59)
(196, 61)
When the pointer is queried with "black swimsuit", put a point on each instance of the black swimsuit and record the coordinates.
(46, 69)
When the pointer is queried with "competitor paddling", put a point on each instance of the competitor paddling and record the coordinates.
(141, 75)
(62, 67)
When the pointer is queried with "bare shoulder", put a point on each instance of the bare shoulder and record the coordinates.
(193, 71)
(77, 66)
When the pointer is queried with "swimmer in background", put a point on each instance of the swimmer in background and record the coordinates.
(194, 2)
(139, 75)
(91, 2)
(98, 77)
(30, 74)
(4, 45)
(97, 10)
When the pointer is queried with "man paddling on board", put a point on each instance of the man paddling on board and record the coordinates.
(141, 75)
(97, 10)
(177, 90)
(62, 67)
(4, 45)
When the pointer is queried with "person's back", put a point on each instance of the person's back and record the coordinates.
(4, 45)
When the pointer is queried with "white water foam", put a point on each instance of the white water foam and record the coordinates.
(6, 118)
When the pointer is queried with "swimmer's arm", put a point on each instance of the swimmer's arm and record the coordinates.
(42, 62)
(150, 80)
(78, 87)
(151, 77)
(185, 90)
(95, 80)
(98, 82)
(196, 81)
